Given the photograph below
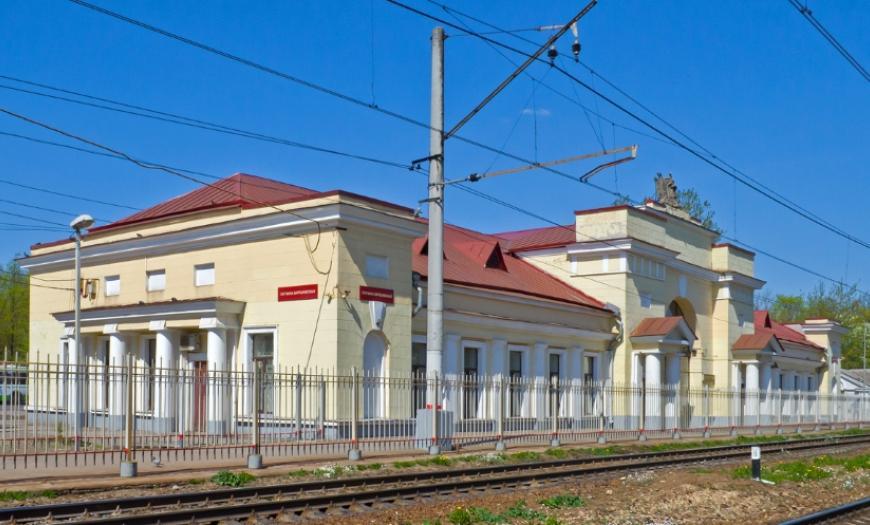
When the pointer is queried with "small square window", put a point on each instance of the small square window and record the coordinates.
(113, 285)
(156, 280)
(203, 274)
(377, 267)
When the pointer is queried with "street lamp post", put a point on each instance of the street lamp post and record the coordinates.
(82, 222)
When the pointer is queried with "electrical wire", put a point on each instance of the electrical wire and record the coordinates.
(805, 11)
(49, 210)
(37, 219)
(61, 194)
(174, 118)
(165, 169)
(746, 182)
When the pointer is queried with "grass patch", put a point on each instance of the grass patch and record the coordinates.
(369, 466)
(518, 512)
(797, 471)
(331, 471)
(701, 470)
(860, 462)
(300, 473)
(435, 461)
(22, 495)
(225, 478)
(196, 481)
(562, 501)
(557, 453)
(526, 455)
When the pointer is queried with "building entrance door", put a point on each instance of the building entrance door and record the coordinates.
(200, 395)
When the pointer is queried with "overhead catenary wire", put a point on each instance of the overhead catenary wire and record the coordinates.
(30, 218)
(68, 195)
(170, 171)
(47, 210)
(362, 103)
(840, 48)
(455, 12)
(745, 181)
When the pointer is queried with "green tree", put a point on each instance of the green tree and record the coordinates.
(847, 305)
(699, 209)
(14, 311)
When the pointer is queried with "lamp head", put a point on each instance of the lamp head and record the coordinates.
(82, 222)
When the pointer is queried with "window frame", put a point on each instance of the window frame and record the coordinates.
(112, 278)
(204, 266)
(383, 264)
(152, 273)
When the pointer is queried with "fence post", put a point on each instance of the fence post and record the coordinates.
(298, 406)
(500, 415)
(706, 403)
(354, 454)
(434, 447)
(554, 407)
(800, 410)
(818, 403)
(602, 439)
(780, 407)
(128, 464)
(255, 458)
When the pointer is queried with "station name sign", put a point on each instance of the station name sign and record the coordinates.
(297, 293)
(370, 293)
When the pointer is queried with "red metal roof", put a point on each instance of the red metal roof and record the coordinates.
(655, 326)
(241, 190)
(765, 329)
(466, 254)
(547, 237)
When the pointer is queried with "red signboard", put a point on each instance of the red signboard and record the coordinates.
(370, 293)
(297, 293)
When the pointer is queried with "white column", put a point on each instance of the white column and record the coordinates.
(735, 394)
(452, 369)
(165, 379)
(218, 395)
(766, 388)
(541, 376)
(117, 377)
(653, 378)
(75, 383)
(752, 383)
(674, 365)
(575, 395)
(499, 370)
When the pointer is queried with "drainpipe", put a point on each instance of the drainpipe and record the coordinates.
(419, 287)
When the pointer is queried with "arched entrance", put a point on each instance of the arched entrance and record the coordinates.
(681, 307)
(374, 357)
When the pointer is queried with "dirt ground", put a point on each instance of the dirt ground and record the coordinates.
(692, 495)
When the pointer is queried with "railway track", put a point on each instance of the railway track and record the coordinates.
(853, 513)
(355, 494)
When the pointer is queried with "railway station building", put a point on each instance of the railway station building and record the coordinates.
(251, 273)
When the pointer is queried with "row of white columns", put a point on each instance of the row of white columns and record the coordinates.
(493, 359)
(165, 387)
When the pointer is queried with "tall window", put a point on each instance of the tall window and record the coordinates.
(203, 274)
(589, 384)
(156, 280)
(555, 374)
(418, 375)
(471, 389)
(263, 346)
(113, 285)
(516, 387)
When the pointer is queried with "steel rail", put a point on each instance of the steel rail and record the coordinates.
(832, 513)
(458, 479)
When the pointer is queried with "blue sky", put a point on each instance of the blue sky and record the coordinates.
(751, 81)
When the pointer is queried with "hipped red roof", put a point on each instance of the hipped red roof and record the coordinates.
(551, 236)
(655, 326)
(466, 253)
(765, 329)
(240, 190)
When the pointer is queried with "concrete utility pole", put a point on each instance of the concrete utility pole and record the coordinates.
(435, 284)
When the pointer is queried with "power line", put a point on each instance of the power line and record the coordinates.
(748, 183)
(61, 194)
(12, 277)
(19, 225)
(454, 12)
(48, 210)
(37, 219)
(808, 14)
(182, 120)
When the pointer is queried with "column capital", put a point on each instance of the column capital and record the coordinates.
(111, 329)
(212, 323)
(158, 326)
(452, 337)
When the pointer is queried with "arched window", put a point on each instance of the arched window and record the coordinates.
(681, 307)
(374, 357)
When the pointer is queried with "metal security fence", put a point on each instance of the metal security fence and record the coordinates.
(57, 415)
